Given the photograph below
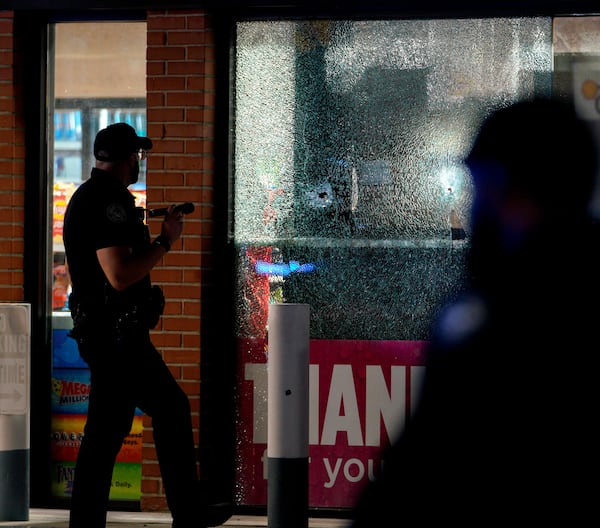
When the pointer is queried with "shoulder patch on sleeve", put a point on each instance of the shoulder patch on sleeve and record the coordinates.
(462, 319)
(115, 212)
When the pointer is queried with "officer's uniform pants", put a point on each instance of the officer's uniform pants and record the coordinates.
(125, 374)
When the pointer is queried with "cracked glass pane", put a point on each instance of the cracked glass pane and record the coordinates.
(349, 189)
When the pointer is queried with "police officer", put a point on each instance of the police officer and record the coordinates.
(114, 306)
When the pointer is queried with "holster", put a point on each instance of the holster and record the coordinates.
(142, 314)
(88, 320)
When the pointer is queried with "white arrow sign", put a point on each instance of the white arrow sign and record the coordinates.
(14, 358)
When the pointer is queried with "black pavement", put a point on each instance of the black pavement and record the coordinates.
(50, 518)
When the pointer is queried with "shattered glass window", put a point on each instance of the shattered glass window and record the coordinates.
(349, 190)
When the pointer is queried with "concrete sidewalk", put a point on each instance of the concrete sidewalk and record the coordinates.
(49, 518)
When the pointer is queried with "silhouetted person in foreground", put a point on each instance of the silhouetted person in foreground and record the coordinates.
(505, 432)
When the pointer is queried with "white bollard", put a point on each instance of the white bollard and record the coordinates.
(287, 415)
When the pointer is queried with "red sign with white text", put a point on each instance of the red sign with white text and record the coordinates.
(361, 393)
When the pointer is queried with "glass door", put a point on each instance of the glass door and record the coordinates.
(91, 90)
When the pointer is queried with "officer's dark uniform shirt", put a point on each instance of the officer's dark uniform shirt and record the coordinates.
(101, 213)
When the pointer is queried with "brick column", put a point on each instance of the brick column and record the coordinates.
(180, 113)
(12, 164)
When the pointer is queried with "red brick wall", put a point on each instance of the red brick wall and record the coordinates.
(12, 166)
(180, 113)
